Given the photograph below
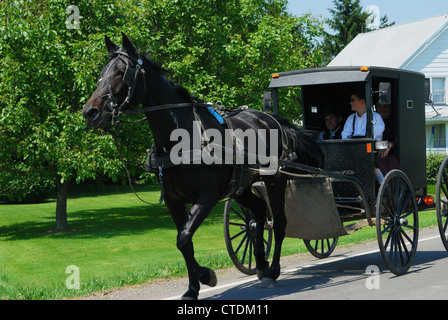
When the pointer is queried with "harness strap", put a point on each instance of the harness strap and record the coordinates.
(286, 153)
(166, 106)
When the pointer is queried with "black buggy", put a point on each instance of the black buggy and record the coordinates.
(344, 197)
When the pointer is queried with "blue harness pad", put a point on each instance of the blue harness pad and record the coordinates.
(216, 115)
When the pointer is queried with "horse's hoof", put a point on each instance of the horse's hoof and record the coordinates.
(189, 296)
(267, 283)
(208, 277)
(263, 272)
(213, 279)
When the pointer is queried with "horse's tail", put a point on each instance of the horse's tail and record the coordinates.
(303, 143)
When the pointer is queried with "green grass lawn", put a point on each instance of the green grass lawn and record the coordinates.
(117, 241)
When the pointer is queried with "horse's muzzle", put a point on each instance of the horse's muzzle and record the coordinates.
(94, 117)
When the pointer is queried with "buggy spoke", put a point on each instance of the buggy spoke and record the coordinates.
(238, 234)
(251, 244)
(445, 225)
(241, 243)
(242, 225)
(445, 180)
(242, 217)
(445, 213)
(402, 233)
(246, 246)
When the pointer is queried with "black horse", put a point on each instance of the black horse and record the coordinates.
(129, 79)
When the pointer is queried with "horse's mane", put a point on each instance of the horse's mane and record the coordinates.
(304, 143)
(184, 93)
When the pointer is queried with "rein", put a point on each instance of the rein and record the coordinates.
(129, 175)
(116, 115)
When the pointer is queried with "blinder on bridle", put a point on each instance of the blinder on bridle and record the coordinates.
(130, 78)
(129, 74)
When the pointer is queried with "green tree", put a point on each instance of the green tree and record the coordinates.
(219, 50)
(384, 22)
(348, 20)
(47, 72)
(226, 50)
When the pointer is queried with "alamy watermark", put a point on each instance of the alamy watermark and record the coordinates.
(373, 279)
(72, 21)
(72, 281)
(373, 21)
(236, 147)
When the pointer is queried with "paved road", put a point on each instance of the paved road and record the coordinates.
(341, 276)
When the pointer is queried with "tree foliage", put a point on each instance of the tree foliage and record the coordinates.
(219, 50)
(347, 21)
(226, 50)
(47, 73)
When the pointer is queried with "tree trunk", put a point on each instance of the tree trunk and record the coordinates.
(61, 206)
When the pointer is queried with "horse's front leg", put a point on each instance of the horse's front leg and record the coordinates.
(198, 212)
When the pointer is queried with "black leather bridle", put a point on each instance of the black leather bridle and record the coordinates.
(130, 78)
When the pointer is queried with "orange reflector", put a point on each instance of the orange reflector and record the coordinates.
(419, 200)
(364, 68)
(429, 200)
(275, 75)
(369, 148)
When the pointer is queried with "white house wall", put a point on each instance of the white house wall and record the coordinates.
(433, 61)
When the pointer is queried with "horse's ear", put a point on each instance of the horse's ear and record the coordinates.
(128, 46)
(111, 47)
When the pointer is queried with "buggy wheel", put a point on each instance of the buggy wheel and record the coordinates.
(239, 234)
(442, 201)
(397, 222)
(322, 248)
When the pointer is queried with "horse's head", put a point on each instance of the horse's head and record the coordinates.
(121, 84)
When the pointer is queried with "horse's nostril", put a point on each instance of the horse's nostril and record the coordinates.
(92, 113)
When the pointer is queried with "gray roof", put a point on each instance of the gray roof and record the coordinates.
(438, 114)
(394, 46)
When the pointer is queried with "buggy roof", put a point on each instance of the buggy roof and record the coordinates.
(329, 75)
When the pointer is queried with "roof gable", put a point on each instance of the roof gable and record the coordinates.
(393, 46)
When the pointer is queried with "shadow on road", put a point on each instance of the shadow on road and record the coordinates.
(338, 275)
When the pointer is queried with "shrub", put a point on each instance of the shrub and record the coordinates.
(26, 188)
(433, 162)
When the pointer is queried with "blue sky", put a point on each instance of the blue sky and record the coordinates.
(400, 11)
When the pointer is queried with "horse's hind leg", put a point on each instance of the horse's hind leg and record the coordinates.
(276, 191)
(187, 224)
(258, 207)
